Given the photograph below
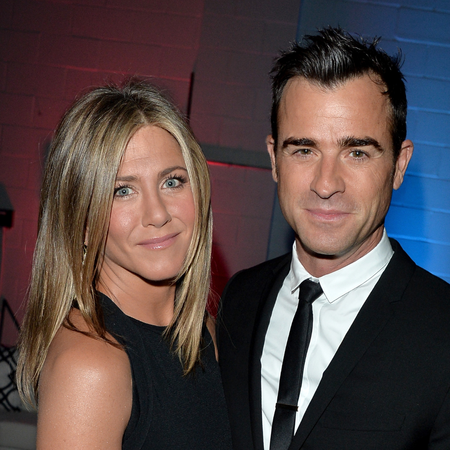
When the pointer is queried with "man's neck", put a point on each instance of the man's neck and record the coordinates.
(319, 265)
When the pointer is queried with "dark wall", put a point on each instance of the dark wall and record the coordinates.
(52, 50)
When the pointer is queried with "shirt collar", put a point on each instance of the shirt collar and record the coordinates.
(342, 281)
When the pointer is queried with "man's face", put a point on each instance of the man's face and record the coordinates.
(335, 169)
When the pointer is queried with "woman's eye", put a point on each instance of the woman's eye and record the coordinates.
(172, 183)
(122, 191)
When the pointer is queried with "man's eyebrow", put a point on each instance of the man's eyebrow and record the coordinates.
(349, 141)
(298, 142)
(352, 141)
(162, 174)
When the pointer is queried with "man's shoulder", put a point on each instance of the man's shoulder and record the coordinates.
(261, 271)
(419, 286)
(251, 283)
(430, 286)
(241, 300)
(432, 279)
(420, 276)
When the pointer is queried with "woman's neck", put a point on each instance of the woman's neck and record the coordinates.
(148, 302)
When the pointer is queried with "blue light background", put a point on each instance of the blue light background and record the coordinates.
(419, 217)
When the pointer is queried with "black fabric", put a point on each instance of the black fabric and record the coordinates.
(293, 365)
(388, 385)
(170, 410)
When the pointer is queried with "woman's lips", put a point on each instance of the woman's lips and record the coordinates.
(159, 242)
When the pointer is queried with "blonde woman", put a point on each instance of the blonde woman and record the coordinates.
(116, 347)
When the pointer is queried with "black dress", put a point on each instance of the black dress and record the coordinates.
(170, 410)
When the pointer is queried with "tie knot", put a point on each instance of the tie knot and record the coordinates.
(309, 291)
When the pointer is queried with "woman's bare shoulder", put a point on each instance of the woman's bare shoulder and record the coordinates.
(85, 392)
(74, 352)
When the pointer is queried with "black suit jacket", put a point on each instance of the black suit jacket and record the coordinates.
(388, 385)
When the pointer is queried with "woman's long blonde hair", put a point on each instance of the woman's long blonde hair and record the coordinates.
(76, 196)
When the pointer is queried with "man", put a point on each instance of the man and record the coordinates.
(377, 336)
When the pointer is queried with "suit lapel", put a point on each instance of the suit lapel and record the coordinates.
(375, 313)
(268, 299)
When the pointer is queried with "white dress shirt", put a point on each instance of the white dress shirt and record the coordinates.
(344, 293)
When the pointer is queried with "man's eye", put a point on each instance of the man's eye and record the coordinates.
(304, 151)
(358, 154)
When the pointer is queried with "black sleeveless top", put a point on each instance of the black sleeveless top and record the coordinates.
(170, 410)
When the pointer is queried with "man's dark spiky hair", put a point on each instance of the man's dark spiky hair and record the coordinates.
(333, 57)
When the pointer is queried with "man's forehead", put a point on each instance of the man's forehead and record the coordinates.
(355, 110)
(300, 82)
(301, 96)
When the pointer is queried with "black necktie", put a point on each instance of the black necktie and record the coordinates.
(292, 368)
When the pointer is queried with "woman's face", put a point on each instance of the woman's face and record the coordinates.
(153, 211)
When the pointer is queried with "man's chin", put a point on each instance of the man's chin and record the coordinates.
(322, 250)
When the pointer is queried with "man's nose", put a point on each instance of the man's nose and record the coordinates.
(328, 177)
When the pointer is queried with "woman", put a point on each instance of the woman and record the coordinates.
(114, 345)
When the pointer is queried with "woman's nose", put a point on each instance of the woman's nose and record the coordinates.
(155, 211)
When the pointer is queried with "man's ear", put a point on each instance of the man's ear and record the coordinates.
(271, 149)
(401, 165)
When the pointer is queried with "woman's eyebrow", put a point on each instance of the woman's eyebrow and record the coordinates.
(171, 169)
(161, 174)
(127, 178)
